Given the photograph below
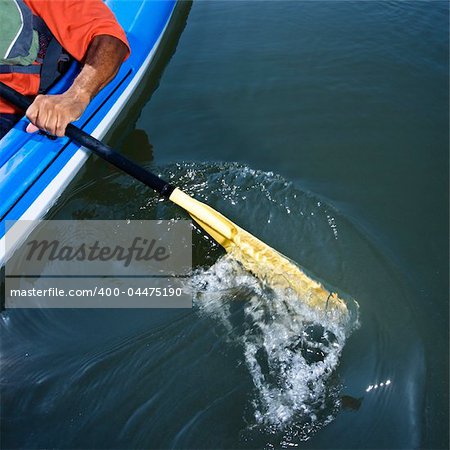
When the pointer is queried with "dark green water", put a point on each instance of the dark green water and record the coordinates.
(321, 127)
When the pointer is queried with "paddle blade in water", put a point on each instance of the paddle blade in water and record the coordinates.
(257, 257)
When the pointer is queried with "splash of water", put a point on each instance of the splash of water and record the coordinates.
(290, 350)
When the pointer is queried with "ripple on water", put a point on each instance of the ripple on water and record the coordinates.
(291, 353)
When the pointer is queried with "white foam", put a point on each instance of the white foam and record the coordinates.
(291, 351)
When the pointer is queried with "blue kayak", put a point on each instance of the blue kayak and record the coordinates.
(34, 170)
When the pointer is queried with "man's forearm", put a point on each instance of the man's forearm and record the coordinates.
(103, 59)
(53, 113)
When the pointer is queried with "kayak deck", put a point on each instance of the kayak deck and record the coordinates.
(34, 169)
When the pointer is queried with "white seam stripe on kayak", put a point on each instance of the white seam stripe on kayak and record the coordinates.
(48, 196)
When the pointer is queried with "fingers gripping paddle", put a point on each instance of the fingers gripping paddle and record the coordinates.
(256, 256)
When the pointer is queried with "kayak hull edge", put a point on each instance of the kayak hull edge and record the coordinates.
(34, 170)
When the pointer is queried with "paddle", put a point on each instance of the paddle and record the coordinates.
(256, 256)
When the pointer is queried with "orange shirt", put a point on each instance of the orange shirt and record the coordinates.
(74, 23)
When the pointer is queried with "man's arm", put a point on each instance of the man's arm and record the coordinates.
(53, 113)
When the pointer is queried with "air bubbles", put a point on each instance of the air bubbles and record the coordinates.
(332, 223)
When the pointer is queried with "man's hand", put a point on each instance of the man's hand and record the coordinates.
(52, 113)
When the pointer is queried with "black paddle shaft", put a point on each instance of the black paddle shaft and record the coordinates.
(97, 147)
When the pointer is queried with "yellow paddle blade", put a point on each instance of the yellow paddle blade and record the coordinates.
(257, 257)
